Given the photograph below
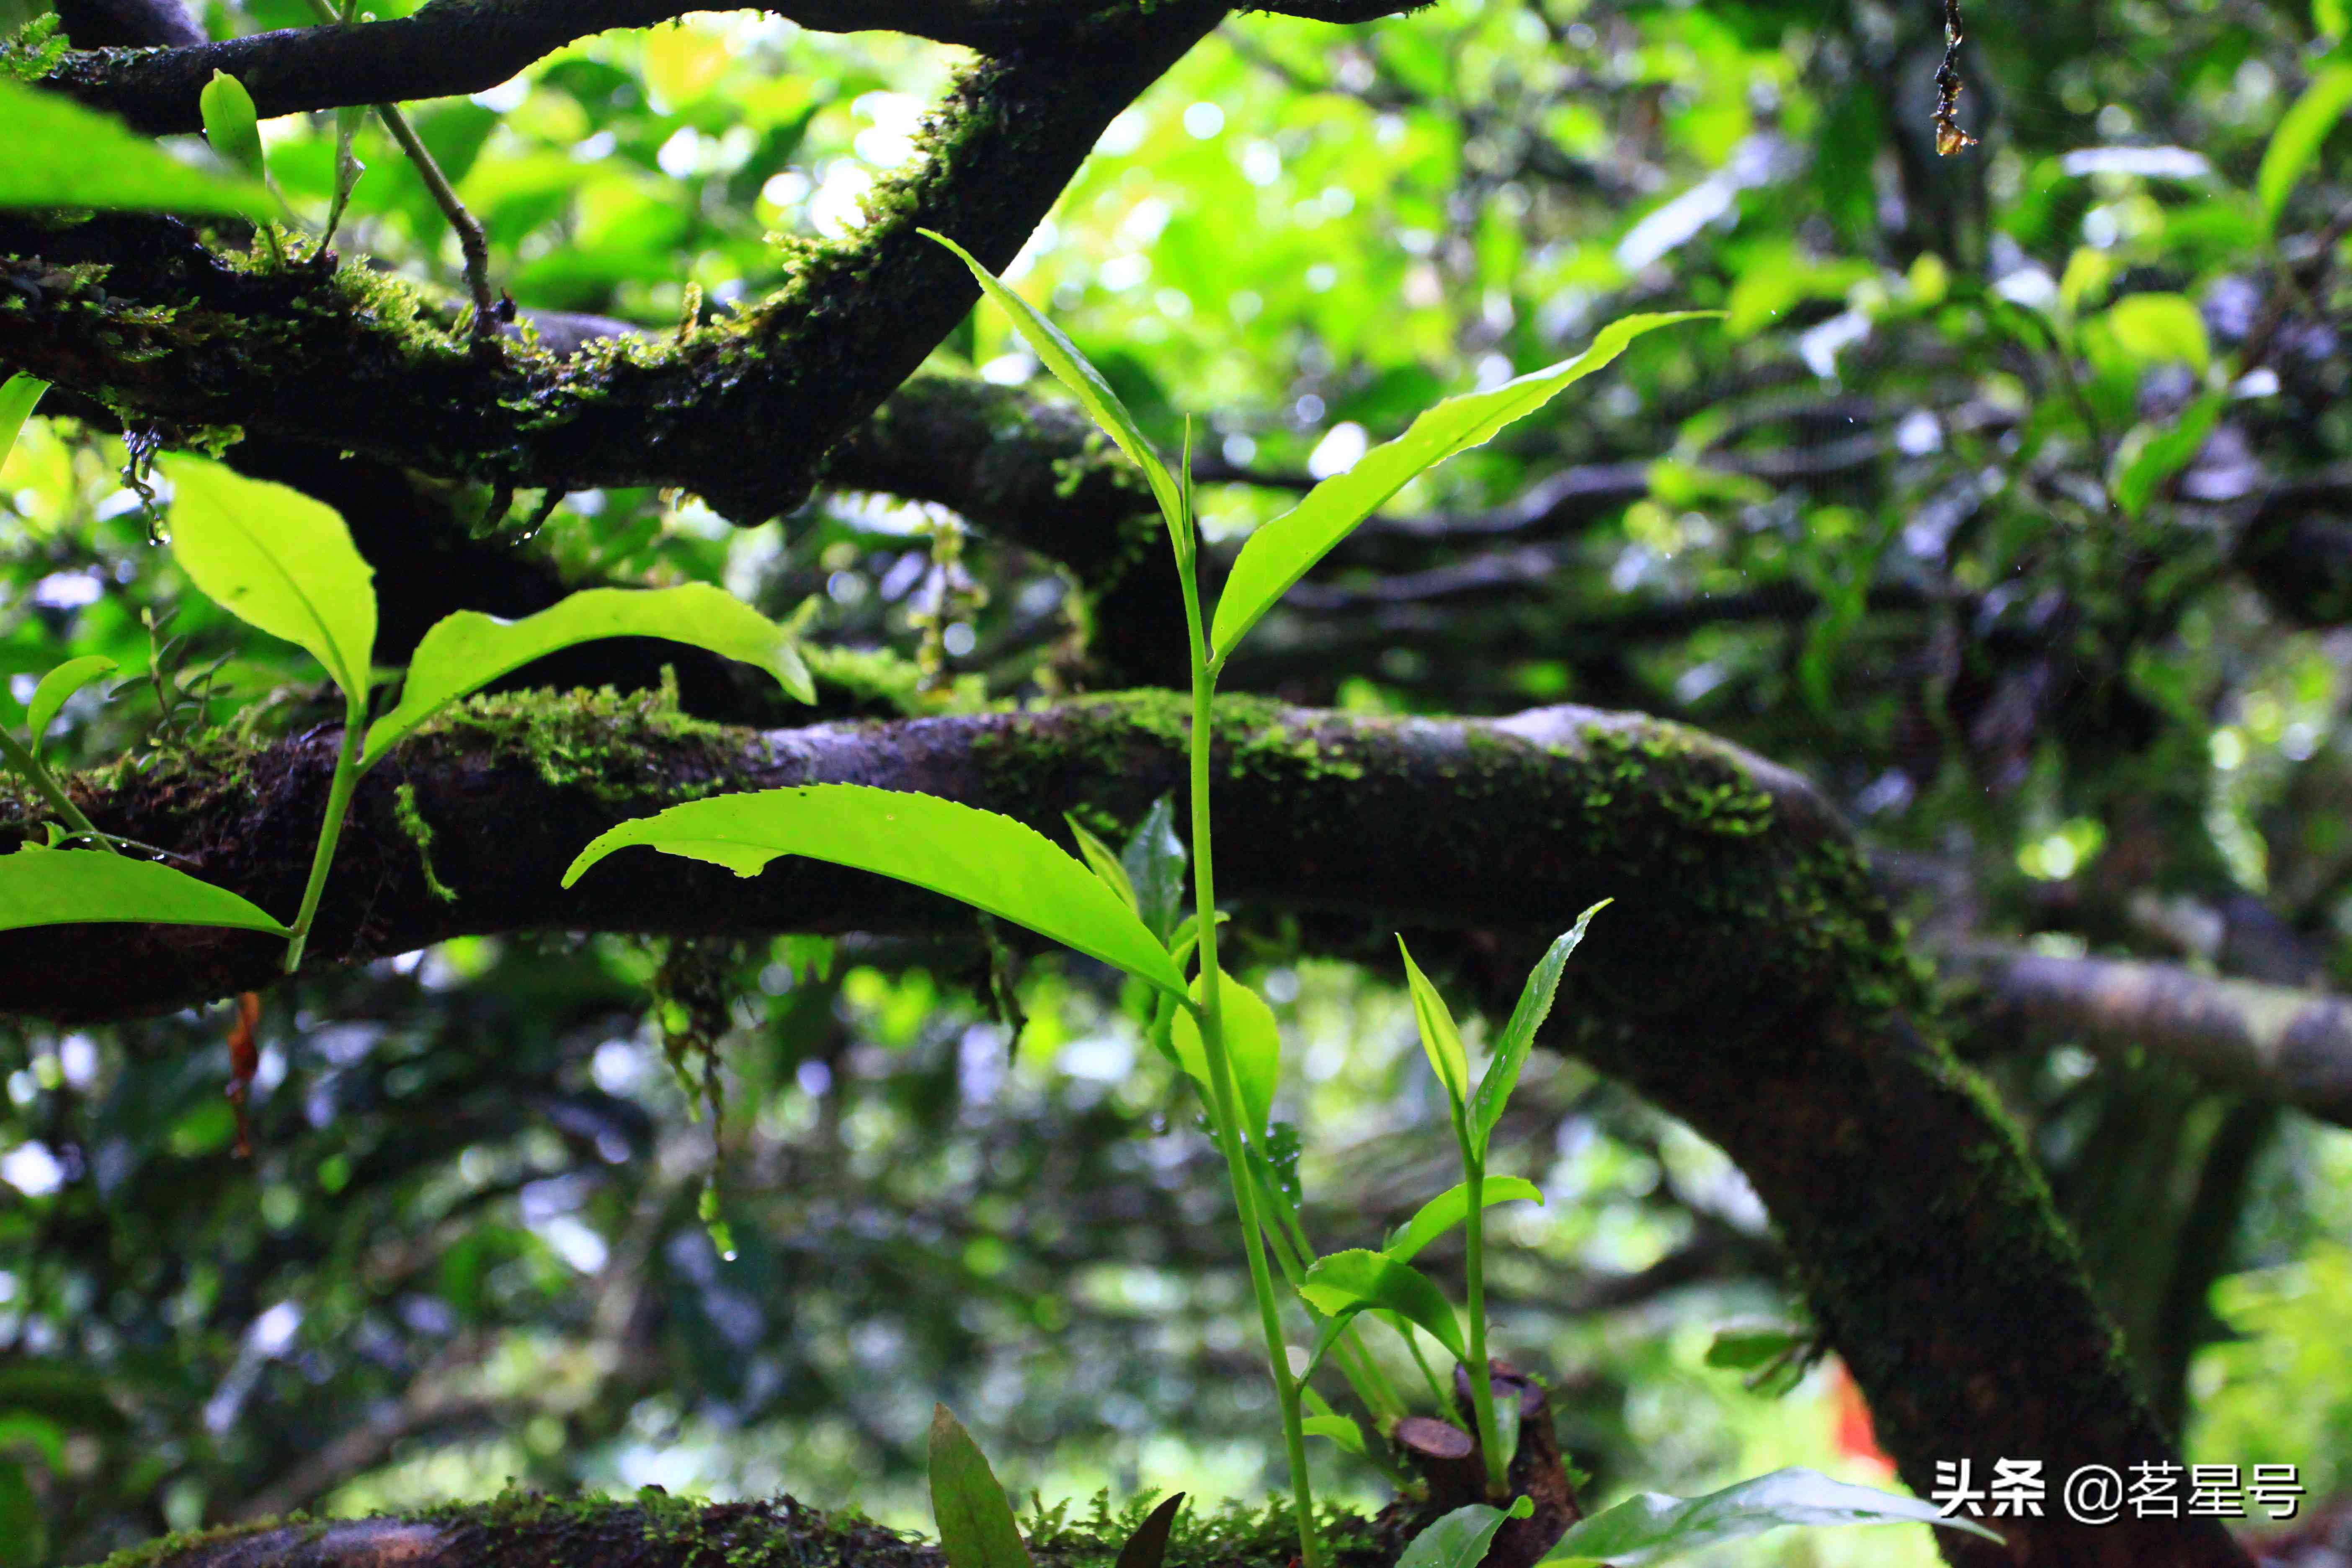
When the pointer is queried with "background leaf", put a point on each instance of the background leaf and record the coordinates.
(1460, 1539)
(1439, 1036)
(1102, 862)
(2295, 145)
(1279, 553)
(979, 857)
(1062, 357)
(1745, 1349)
(1155, 859)
(63, 156)
(1652, 1526)
(277, 559)
(58, 685)
(68, 887)
(2148, 456)
(1449, 1208)
(1502, 1075)
(2159, 328)
(466, 651)
(975, 1521)
(1358, 1280)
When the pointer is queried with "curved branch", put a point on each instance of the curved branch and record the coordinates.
(1748, 979)
(454, 46)
(740, 413)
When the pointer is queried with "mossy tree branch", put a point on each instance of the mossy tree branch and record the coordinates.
(454, 46)
(1748, 979)
(654, 1531)
(334, 358)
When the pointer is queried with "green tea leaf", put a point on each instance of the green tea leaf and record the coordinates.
(1652, 1526)
(1155, 861)
(2159, 328)
(979, 857)
(976, 1527)
(231, 124)
(58, 685)
(18, 394)
(2295, 145)
(1339, 1429)
(1358, 1280)
(277, 560)
(63, 156)
(1148, 1547)
(1502, 1074)
(1253, 1050)
(1279, 553)
(70, 887)
(1460, 1539)
(1102, 862)
(1062, 357)
(1449, 1208)
(466, 651)
(1439, 1038)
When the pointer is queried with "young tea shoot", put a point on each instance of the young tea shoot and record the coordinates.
(1222, 1033)
(285, 564)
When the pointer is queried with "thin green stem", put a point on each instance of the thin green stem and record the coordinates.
(1482, 1384)
(1357, 1364)
(45, 784)
(1221, 1096)
(1292, 1254)
(338, 803)
(1443, 1395)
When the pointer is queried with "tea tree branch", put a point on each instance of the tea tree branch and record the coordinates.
(471, 241)
(1756, 987)
(456, 46)
(318, 359)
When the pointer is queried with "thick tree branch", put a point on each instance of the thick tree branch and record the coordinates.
(2280, 1043)
(454, 46)
(1747, 980)
(742, 412)
(111, 24)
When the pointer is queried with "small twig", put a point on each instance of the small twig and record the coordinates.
(488, 315)
(1950, 137)
(470, 238)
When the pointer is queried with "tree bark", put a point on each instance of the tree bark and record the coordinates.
(742, 412)
(2278, 1042)
(1747, 980)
